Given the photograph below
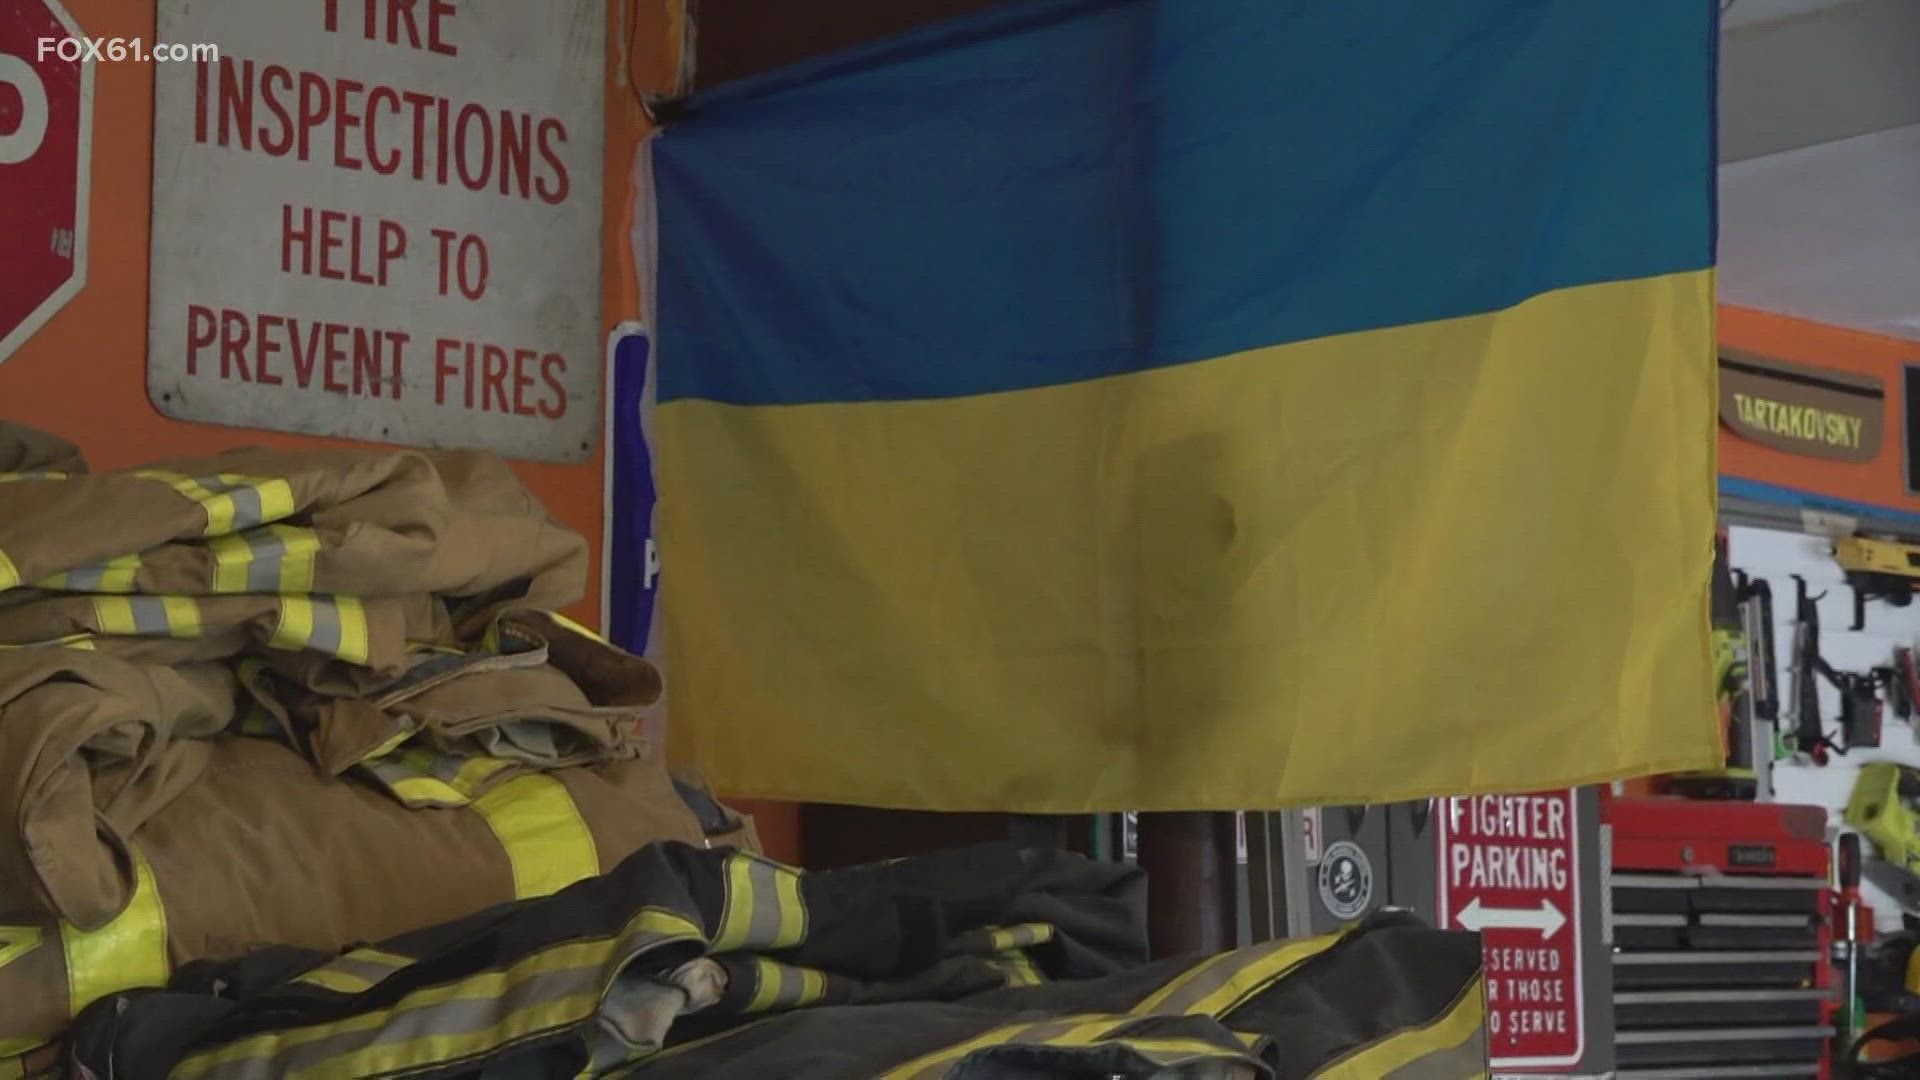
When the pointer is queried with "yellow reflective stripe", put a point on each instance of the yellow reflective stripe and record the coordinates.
(793, 913)
(356, 971)
(937, 1063)
(9, 573)
(763, 908)
(813, 986)
(1218, 984)
(1021, 936)
(126, 954)
(546, 840)
(1450, 1033)
(115, 576)
(736, 912)
(232, 503)
(147, 616)
(1155, 1001)
(83, 642)
(355, 638)
(1260, 974)
(335, 625)
(1018, 968)
(652, 926)
(232, 556)
(114, 615)
(274, 559)
(295, 627)
(276, 500)
(16, 477)
(478, 771)
(18, 941)
(426, 791)
(392, 744)
(783, 986)
(766, 986)
(575, 627)
(10, 1048)
(183, 616)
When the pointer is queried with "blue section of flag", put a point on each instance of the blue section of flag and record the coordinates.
(633, 582)
(1129, 184)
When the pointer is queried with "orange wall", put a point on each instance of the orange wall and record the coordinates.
(1880, 481)
(83, 375)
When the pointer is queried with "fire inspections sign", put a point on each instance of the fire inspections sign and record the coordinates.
(46, 119)
(1509, 868)
(380, 219)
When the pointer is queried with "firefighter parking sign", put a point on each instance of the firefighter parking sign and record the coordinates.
(1509, 869)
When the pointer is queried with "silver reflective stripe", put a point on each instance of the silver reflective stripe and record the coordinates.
(85, 579)
(149, 616)
(326, 627)
(461, 1016)
(764, 909)
(1209, 978)
(446, 767)
(765, 926)
(269, 550)
(781, 986)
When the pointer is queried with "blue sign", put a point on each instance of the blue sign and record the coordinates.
(633, 562)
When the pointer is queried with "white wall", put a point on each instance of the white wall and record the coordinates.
(1776, 556)
(1798, 72)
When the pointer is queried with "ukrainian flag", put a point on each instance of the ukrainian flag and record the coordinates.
(1195, 404)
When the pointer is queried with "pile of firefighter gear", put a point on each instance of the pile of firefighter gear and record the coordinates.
(302, 775)
(985, 963)
(298, 701)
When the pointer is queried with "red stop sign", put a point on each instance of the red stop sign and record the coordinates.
(46, 110)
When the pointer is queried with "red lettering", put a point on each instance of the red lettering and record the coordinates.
(304, 360)
(475, 180)
(473, 278)
(202, 327)
(470, 379)
(366, 361)
(437, 10)
(548, 365)
(329, 243)
(200, 102)
(233, 344)
(523, 381)
(388, 166)
(399, 340)
(553, 195)
(399, 11)
(265, 346)
(336, 355)
(442, 369)
(516, 153)
(346, 116)
(393, 245)
(441, 107)
(271, 74)
(446, 237)
(333, 16)
(236, 102)
(494, 361)
(314, 105)
(420, 103)
(290, 237)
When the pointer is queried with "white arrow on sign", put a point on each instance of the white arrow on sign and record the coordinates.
(1547, 918)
